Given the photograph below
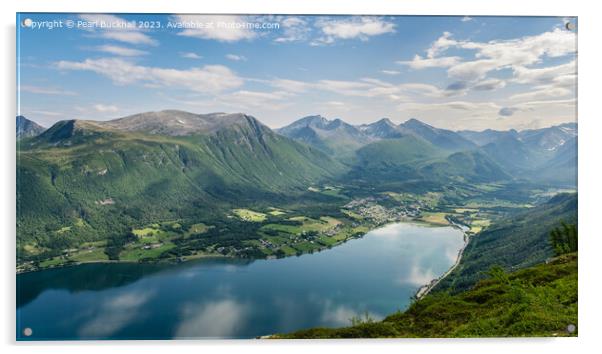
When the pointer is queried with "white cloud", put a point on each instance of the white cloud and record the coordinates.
(489, 84)
(526, 50)
(419, 276)
(514, 53)
(467, 106)
(190, 55)
(351, 28)
(46, 90)
(206, 79)
(294, 29)
(441, 44)
(563, 74)
(223, 28)
(542, 93)
(121, 51)
(214, 319)
(47, 113)
(131, 35)
(105, 108)
(472, 70)
(114, 314)
(518, 54)
(480, 107)
(390, 72)
(366, 87)
(235, 57)
(419, 62)
(563, 103)
(291, 85)
(245, 99)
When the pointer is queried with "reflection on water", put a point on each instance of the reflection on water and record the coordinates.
(225, 298)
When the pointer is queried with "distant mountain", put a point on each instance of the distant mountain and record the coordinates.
(562, 167)
(497, 155)
(488, 136)
(331, 136)
(545, 138)
(382, 129)
(551, 138)
(445, 139)
(512, 153)
(27, 128)
(544, 155)
(134, 170)
(343, 139)
(176, 123)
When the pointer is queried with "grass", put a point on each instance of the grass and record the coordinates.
(146, 232)
(352, 215)
(63, 229)
(136, 253)
(294, 239)
(276, 212)
(478, 225)
(434, 218)
(308, 224)
(250, 215)
(94, 255)
(539, 301)
(465, 210)
(198, 229)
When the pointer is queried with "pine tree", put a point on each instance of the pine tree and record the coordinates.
(564, 239)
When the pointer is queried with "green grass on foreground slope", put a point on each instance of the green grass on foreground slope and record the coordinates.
(535, 301)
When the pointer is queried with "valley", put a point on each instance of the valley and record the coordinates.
(163, 196)
(172, 186)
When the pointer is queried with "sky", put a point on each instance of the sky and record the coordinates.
(451, 72)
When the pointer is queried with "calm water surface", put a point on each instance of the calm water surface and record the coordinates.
(225, 298)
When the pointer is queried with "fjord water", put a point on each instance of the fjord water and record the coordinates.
(225, 298)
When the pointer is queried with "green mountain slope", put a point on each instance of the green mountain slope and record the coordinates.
(466, 166)
(82, 181)
(413, 158)
(536, 301)
(516, 242)
(391, 152)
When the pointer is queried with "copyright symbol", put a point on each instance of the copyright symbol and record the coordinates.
(69, 23)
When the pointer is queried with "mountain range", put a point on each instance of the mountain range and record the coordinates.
(412, 149)
(535, 154)
(177, 165)
(341, 139)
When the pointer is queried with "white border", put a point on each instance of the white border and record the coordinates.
(590, 131)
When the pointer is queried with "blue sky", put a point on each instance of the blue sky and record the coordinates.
(451, 72)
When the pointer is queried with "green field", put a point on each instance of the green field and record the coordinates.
(249, 215)
(135, 252)
(437, 218)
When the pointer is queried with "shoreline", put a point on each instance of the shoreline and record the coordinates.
(195, 257)
(109, 261)
(426, 288)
